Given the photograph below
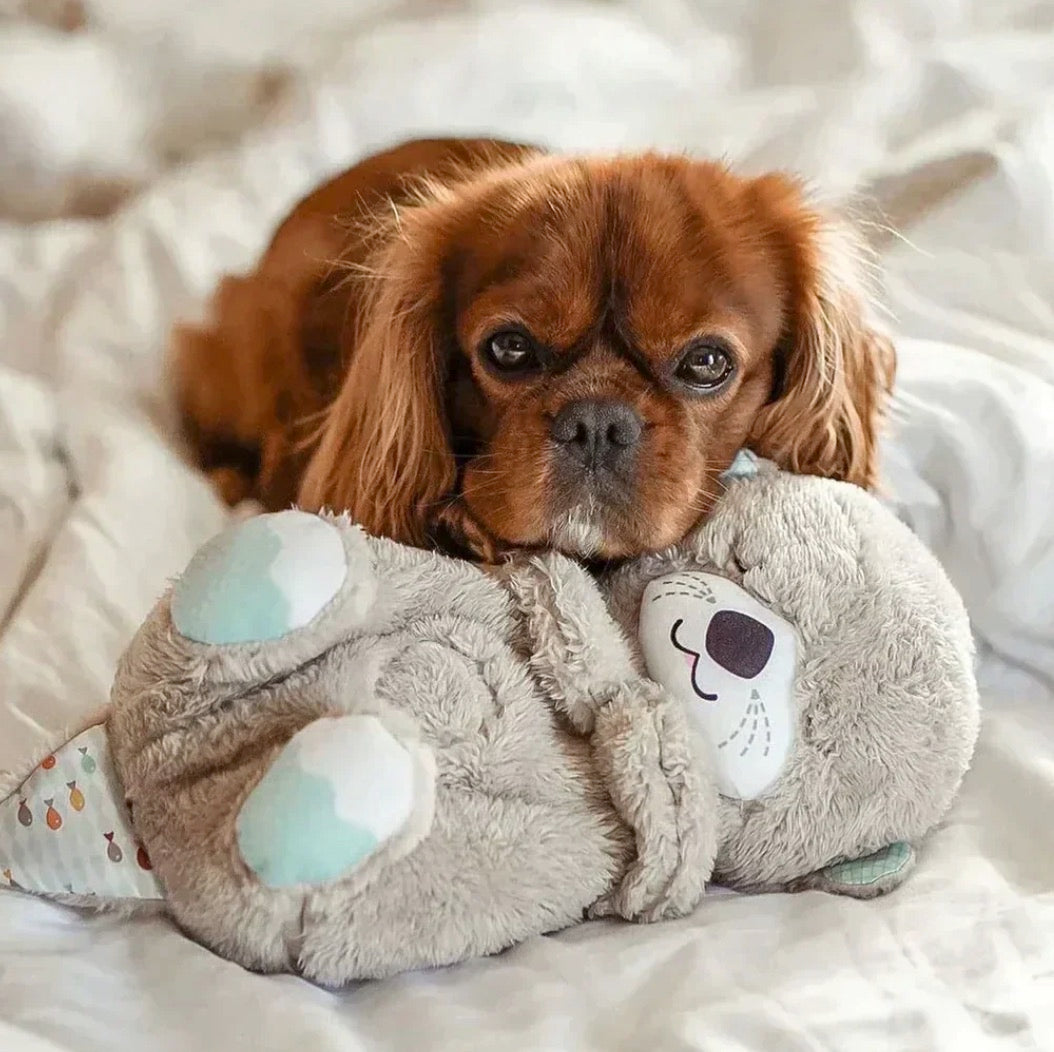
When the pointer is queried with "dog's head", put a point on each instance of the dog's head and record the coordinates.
(568, 352)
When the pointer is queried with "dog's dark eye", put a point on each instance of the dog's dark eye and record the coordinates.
(511, 351)
(705, 365)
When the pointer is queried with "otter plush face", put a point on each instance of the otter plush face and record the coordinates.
(731, 660)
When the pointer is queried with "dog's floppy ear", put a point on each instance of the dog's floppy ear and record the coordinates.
(834, 368)
(384, 452)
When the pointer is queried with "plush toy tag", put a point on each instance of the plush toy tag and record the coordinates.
(66, 830)
(744, 466)
(732, 661)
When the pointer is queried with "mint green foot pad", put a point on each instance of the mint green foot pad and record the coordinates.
(340, 790)
(867, 877)
(260, 580)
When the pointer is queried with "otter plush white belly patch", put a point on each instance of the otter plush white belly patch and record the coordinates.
(731, 660)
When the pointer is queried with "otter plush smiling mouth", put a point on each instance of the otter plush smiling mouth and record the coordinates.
(737, 642)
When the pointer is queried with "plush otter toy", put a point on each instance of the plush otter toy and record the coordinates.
(342, 757)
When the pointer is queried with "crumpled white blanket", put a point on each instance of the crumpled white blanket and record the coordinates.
(937, 113)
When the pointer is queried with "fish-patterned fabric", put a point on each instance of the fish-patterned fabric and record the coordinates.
(66, 830)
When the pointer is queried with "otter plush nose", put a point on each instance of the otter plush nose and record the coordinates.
(597, 434)
(739, 643)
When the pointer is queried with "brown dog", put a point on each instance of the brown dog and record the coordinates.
(478, 345)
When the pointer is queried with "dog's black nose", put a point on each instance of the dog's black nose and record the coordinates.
(597, 434)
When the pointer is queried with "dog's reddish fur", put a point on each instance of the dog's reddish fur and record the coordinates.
(344, 371)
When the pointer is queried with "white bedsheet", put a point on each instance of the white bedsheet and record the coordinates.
(942, 112)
